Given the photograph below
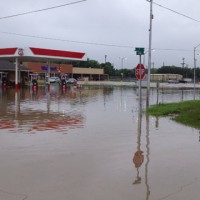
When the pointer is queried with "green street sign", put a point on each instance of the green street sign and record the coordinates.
(139, 51)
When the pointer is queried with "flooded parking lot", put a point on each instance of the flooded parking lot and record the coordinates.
(92, 143)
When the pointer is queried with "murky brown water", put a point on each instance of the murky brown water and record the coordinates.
(87, 144)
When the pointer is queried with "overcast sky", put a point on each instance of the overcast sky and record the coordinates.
(122, 23)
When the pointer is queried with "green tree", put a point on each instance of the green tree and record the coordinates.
(108, 68)
(186, 72)
(86, 64)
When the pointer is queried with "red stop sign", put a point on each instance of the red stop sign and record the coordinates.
(140, 71)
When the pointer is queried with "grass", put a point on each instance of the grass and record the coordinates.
(187, 112)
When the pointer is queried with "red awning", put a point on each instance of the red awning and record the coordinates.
(39, 54)
(57, 53)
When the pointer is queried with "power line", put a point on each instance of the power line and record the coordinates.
(187, 50)
(90, 43)
(178, 13)
(64, 40)
(40, 10)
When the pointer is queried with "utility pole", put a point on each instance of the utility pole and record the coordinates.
(195, 63)
(183, 63)
(122, 65)
(149, 57)
(153, 67)
(105, 58)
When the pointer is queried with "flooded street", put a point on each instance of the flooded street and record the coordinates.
(91, 143)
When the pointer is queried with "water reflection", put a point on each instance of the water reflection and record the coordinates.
(27, 112)
(31, 111)
(199, 136)
(167, 95)
(113, 141)
(147, 158)
(157, 122)
(138, 158)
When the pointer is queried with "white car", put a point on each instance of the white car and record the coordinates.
(173, 81)
(71, 81)
(54, 80)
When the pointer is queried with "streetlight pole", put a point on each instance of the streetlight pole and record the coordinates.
(122, 65)
(149, 56)
(105, 59)
(144, 56)
(195, 67)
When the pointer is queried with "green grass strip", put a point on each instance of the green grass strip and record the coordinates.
(187, 112)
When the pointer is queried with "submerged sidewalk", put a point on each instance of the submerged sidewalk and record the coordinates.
(134, 84)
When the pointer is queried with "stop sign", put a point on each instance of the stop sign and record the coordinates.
(140, 71)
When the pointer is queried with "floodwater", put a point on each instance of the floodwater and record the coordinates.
(92, 143)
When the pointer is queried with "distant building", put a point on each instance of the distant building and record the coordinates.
(7, 69)
(27, 68)
(66, 69)
(166, 77)
(90, 73)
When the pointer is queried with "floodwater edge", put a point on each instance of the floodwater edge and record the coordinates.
(186, 112)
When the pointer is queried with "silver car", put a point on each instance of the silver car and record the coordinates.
(54, 80)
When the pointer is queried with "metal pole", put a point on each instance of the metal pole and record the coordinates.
(149, 56)
(49, 71)
(16, 74)
(194, 70)
(144, 58)
(140, 88)
(122, 66)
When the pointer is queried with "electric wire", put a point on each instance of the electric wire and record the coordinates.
(89, 43)
(176, 12)
(64, 40)
(159, 49)
(40, 10)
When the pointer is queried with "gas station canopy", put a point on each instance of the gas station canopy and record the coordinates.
(39, 54)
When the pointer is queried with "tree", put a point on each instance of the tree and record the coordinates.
(108, 68)
(86, 64)
(186, 72)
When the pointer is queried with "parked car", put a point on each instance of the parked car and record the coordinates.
(173, 81)
(186, 80)
(54, 80)
(182, 81)
(71, 81)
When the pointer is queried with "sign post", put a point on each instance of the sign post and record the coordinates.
(140, 73)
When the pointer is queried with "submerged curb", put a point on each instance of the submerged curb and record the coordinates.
(133, 84)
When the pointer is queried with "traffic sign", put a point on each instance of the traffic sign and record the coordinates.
(140, 71)
(139, 51)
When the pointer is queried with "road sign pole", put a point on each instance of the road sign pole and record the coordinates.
(149, 56)
(140, 74)
(140, 89)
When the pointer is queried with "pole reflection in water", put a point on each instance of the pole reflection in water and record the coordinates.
(147, 158)
(199, 136)
(157, 100)
(17, 103)
(157, 122)
(181, 95)
(138, 156)
(48, 102)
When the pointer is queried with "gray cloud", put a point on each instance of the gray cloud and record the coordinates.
(116, 22)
